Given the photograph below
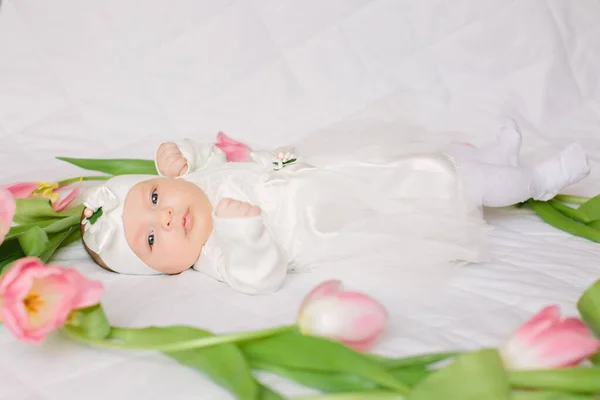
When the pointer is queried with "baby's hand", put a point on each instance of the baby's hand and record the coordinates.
(170, 161)
(230, 208)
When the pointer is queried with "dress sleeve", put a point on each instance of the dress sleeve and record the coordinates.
(198, 155)
(249, 259)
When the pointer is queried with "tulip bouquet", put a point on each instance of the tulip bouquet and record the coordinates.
(328, 348)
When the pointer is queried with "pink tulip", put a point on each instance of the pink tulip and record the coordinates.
(22, 190)
(234, 150)
(51, 191)
(8, 207)
(546, 341)
(348, 317)
(37, 299)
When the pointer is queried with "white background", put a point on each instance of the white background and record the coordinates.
(114, 78)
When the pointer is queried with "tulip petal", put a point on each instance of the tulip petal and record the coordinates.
(566, 349)
(234, 150)
(14, 317)
(370, 315)
(538, 323)
(65, 202)
(323, 289)
(17, 280)
(8, 207)
(222, 138)
(22, 190)
(575, 325)
(89, 292)
(363, 345)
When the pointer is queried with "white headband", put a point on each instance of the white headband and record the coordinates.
(104, 233)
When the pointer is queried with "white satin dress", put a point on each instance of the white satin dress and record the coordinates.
(346, 193)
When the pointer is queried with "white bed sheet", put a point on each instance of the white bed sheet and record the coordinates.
(77, 76)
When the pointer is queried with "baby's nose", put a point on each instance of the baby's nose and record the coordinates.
(167, 218)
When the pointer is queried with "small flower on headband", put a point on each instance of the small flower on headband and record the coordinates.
(92, 216)
(98, 231)
(283, 159)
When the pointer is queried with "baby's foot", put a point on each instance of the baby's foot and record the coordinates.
(508, 144)
(569, 167)
(575, 162)
(504, 151)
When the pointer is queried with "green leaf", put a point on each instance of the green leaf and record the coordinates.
(54, 243)
(412, 375)
(591, 208)
(576, 379)
(33, 209)
(555, 218)
(472, 376)
(573, 213)
(73, 210)
(74, 236)
(62, 224)
(594, 224)
(294, 350)
(330, 382)
(33, 241)
(9, 252)
(539, 395)
(91, 322)
(266, 393)
(595, 359)
(588, 306)
(371, 395)
(20, 229)
(333, 382)
(114, 166)
(224, 364)
(570, 199)
(53, 225)
(424, 359)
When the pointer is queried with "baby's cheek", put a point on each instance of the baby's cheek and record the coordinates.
(177, 255)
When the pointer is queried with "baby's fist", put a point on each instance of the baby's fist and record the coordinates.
(170, 161)
(230, 208)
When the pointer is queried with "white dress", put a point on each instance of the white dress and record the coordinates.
(346, 193)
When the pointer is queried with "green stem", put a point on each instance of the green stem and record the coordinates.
(548, 395)
(574, 379)
(83, 178)
(422, 359)
(560, 221)
(567, 198)
(355, 396)
(177, 346)
(570, 212)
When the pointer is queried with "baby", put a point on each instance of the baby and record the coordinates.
(249, 223)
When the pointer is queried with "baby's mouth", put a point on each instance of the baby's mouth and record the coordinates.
(187, 222)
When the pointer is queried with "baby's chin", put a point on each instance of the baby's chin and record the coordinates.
(172, 268)
(176, 262)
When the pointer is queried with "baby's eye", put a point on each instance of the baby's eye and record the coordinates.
(151, 239)
(154, 197)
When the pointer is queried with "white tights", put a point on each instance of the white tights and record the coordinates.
(493, 175)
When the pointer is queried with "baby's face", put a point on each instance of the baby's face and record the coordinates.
(167, 222)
